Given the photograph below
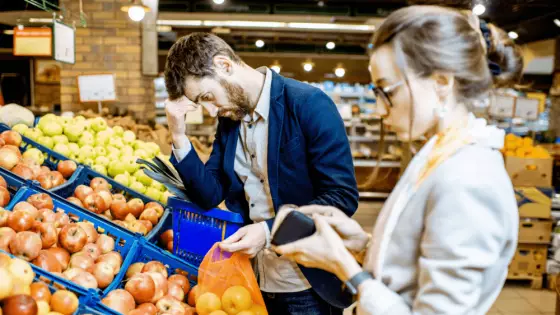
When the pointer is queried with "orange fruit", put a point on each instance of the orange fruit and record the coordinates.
(208, 303)
(246, 313)
(193, 296)
(218, 313)
(258, 309)
(236, 299)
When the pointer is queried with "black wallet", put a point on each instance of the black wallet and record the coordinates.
(295, 226)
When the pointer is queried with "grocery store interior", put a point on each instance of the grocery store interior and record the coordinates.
(82, 98)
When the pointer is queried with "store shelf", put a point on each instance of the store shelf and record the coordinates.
(374, 163)
(368, 194)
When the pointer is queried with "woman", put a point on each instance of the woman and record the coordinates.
(444, 239)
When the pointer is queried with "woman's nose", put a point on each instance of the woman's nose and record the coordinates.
(211, 108)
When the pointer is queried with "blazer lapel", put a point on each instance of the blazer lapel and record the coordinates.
(229, 153)
(276, 120)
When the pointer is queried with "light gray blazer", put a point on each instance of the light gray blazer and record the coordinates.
(444, 247)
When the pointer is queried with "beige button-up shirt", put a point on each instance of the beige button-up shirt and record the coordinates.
(276, 275)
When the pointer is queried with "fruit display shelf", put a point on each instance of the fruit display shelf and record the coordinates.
(85, 176)
(50, 158)
(190, 222)
(125, 241)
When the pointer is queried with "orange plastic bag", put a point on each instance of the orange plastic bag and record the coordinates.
(222, 272)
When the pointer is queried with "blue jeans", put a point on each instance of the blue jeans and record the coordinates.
(299, 303)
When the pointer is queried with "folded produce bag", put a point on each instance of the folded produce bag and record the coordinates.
(227, 282)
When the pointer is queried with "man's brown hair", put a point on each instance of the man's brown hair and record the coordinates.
(192, 56)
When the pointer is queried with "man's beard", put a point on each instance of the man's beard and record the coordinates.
(239, 102)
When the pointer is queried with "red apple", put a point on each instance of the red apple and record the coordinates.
(92, 250)
(45, 180)
(4, 197)
(82, 191)
(161, 285)
(26, 245)
(90, 230)
(82, 260)
(147, 309)
(169, 246)
(136, 207)
(119, 209)
(175, 290)
(48, 234)
(47, 260)
(19, 304)
(119, 197)
(168, 304)
(114, 259)
(26, 207)
(64, 302)
(61, 219)
(147, 224)
(156, 206)
(134, 269)
(86, 280)
(166, 236)
(119, 300)
(61, 255)
(103, 272)
(107, 197)
(138, 227)
(67, 168)
(141, 287)
(11, 137)
(20, 221)
(106, 243)
(95, 203)
(182, 281)
(99, 182)
(23, 171)
(151, 215)
(46, 216)
(57, 177)
(72, 237)
(72, 272)
(41, 201)
(75, 201)
(6, 236)
(44, 170)
(4, 215)
(40, 291)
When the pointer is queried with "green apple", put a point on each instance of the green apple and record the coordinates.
(86, 139)
(88, 162)
(143, 178)
(60, 139)
(51, 129)
(165, 196)
(102, 160)
(48, 118)
(153, 193)
(98, 124)
(127, 151)
(122, 179)
(100, 151)
(118, 131)
(79, 158)
(74, 148)
(79, 118)
(74, 131)
(116, 142)
(142, 154)
(113, 150)
(64, 121)
(87, 151)
(21, 128)
(102, 138)
(138, 144)
(128, 137)
(157, 185)
(115, 168)
(130, 164)
(100, 169)
(46, 141)
(62, 149)
(34, 154)
(138, 187)
(113, 157)
(109, 131)
(33, 134)
(153, 148)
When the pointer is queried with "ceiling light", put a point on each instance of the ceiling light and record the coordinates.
(275, 25)
(20, 27)
(164, 28)
(308, 65)
(331, 45)
(276, 67)
(321, 3)
(9, 32)
(39, 20)
(259, 43)
(136, 11)
(333, 26)
(255, 24)
(219, 1)
(339, 71)
(179, 22)
(513, 35)
(557, 22)
(479, 9)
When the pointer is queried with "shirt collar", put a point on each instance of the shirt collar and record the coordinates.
(263, 105)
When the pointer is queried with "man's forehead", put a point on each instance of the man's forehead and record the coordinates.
(192, 88)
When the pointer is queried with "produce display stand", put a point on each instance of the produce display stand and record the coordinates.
(190, 223)
(125, 241)
(85, 176)
(51, 158)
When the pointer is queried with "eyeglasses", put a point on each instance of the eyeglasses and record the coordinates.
(384, 94)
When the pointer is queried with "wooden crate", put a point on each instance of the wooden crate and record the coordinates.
(532, 231)
(529, 172)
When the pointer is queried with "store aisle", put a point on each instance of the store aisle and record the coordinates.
(517, 299)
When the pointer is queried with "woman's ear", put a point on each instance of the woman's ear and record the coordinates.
(443, 84)
(223, 65)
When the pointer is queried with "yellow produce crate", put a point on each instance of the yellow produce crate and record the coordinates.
(534, 202)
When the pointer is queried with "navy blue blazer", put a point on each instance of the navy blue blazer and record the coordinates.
(309, 162)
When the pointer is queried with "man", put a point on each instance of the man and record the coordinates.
(278, 142)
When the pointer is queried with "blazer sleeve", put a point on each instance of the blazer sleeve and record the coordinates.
(465, 230)
(329, 158)
(204, 182)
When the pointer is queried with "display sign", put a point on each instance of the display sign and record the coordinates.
(527, 108)
(64, 43)
(97, 88)
(502, 106)
(32, 41)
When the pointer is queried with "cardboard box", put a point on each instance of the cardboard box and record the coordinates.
(534, 202)
(535, 231)
(529, 172)
(529, 260)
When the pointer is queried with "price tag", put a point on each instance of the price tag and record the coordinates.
(527, 108)
(502, 106)
(64, 43)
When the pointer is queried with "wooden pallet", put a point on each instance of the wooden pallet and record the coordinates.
(536, 280)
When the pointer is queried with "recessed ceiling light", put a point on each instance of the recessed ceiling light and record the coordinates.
(479, 9)
(557, 22)
(219, 1)
(259, 43)
(331, 45)
(340, 72)
(513, 35)
(321, 3)
(308, 65)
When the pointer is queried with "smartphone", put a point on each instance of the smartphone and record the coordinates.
(295, 226)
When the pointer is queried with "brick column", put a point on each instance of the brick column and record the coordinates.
(111, 43)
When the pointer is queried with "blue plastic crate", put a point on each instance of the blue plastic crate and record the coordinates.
(166, 222)
(195, 231)
(85, 176)
(13, 181)
(146, 252)
(125, 241)
(51, 158)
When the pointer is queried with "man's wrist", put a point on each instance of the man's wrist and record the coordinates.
(180, 141)
(348, 266)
